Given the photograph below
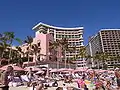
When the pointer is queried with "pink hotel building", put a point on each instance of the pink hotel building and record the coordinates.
(52, 33)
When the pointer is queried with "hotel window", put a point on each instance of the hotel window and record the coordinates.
(75, 36)
(38, 44)
(56, 36)
(112, 62)
(70, 36)
(77, 43)
(66, 36)
(60, 36)
(74, 43)
(80, 36)
(38, 51)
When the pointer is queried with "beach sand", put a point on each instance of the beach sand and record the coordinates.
(60, 84)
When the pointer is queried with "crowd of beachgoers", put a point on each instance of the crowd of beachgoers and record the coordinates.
(41, 79)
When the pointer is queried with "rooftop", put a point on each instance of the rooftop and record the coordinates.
(109, 29)
(54, 27)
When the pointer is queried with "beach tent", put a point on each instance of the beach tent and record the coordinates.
(16, 68)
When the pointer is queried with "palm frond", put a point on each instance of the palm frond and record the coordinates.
(29, 40)
(18, 40)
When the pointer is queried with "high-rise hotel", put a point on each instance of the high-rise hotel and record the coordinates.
(74, 36)
(107, 41)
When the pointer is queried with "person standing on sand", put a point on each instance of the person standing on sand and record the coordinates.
(7, 76)
(117, 74)
(40, 86)
(30, 75)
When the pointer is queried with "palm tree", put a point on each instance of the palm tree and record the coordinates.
(64, 44)
(20, 52)
(104, 57)
(89, 60)
(10, 37)
(114, 58)
(82, 52)
(4, 51)
(70, 50)
(3, 43)
(97, 59)
(29, 41)
(35, 49)
(101, 57)
(54, 46)
(75, 55)
(6, 40)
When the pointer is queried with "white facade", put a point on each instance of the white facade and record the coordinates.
(106, 41)
(74, 36)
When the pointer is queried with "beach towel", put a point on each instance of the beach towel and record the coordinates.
(81, 83)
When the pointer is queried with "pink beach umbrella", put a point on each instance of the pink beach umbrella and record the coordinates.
(33, 69)
(101, 71)
(80, 70)
(53, 70)
(110, 71)
(62, 69)
(39, 72)
(90, 70)
(70, 69)
(16, 68)
(65, 69)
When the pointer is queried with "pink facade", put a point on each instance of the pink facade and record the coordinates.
(44, 40)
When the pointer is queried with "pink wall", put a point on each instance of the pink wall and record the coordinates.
(44, 40)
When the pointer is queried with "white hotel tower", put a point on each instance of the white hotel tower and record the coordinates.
(74, 36)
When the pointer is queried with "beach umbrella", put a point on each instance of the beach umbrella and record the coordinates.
(39, 72)
(53, 70)
(62, 69)
(110, 71)
(33, 69)
(80, 70)
(16, 68)
(90, 70)
(70, 69)
(101, 71)
(65, 69)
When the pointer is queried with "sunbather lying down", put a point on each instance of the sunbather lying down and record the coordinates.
(37, 85)
(68, 88)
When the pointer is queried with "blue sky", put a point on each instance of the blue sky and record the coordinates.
(21, 15)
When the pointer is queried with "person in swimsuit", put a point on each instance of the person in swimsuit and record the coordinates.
(5, 75)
